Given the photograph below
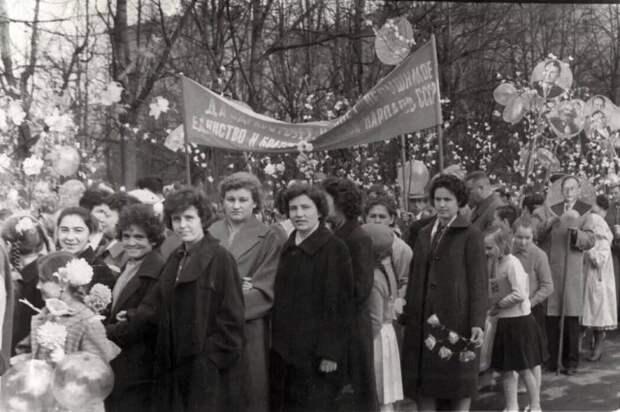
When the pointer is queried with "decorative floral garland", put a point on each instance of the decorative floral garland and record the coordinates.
(450, 343)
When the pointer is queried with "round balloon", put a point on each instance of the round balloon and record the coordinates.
(504, 92)
(415, 178)
(392, 42)
(82, 379)
(514, 110)
(587, 193)
(566, 119)
(65, 160)
(551, 78)
(26, 387)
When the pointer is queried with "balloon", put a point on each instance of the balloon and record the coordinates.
(514, 110)
(587, 194)
(26, 387)
(392, 41)
(82, 379)
(546, 158)
(567, 118)
(65, 160)
(415, 179)
(504, 92)
(455, 170)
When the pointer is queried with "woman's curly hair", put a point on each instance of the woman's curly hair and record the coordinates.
(182, 199)
(453, 185)
(243, 180)
(347, 196)
(144, 217)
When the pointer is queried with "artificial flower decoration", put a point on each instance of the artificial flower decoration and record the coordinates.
(159, 106)
(5, 162)
(51, 335)
(451, 342)
(112, 94)
(304, 146)
(445, 353)
(16, 113)
(32, 165)
(25, 224)
(99, 297)
(76, 273)
(270, 169)
(430, 342)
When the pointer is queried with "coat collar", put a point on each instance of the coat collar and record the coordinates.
(149, 268)
(198, 257)
(249, 235)
(312, 243)
(580, 207)
(88, 255)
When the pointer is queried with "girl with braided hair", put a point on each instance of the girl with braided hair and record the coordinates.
(26, 241)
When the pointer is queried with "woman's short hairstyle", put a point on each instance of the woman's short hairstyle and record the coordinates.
(508, 213)
(182, 199)
(384, 201)
(314, 193)
(502, 237)
(243, 180)
(452, 184)
(81, 212)
(92, 197)
(144, 217)
(602, 201)
(347, 196)
(119, 200)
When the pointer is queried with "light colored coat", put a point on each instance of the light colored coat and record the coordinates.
(256, 249)
(565, 261)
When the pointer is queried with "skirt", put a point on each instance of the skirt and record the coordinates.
(388, 377)
(518, 344)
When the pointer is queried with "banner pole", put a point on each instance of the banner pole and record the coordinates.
(403, 160)
(188, 165)
(439, 119)
(440, 139)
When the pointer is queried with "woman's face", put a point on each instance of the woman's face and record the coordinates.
(107, 219)
(188, 225)
(135, 242)
(238, 205)
(445, 203)
(303, 213)
(380, 215)
(49, 289)
(73, 234)
(490, 248)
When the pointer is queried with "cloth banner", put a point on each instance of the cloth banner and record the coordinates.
(404, 101)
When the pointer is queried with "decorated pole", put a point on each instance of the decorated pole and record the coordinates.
(438, 106)
(188, 165)
(403, 160)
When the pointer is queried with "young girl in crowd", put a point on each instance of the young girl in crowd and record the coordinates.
(66, 324)
(518, 344)
(384, 305)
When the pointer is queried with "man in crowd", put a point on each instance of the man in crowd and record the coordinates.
(482, 200)
(613, 220)
(561, 235)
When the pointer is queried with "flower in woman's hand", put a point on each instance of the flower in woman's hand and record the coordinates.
(467, 356)
(453, 337)
(433, 320)
(430, 342)
(445, 353)
(99, 297)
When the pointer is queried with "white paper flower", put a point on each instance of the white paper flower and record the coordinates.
(77, 272)
(270, 169)
(445, 353)
(16, 113)
(159, 106)
(111, 95)
(5, 163)
(59, 122)
(430, 342)
(304, 146)
(433, 320)
(24, 224)
(51, 335)
(3, 124)
(453, 337)
(280, 167)
(467, 356)
(99, 297)
(32, 165)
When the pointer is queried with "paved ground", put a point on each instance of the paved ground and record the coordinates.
(595, 388)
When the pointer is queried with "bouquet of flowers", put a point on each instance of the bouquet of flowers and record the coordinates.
(99, 297)
(447, 343)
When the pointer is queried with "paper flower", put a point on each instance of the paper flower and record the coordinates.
(59, 122)
(99, 297)
(304, 146)
(280, 167)
(445, 353)
(51, 335)
(16, 113)
(159, 106)
(270, 169)
(467, 356)
(111, 95)
(453, 337)
(24, 224)
(5, 162)
(433, 320)
(32, 165)
(77, 273)
(430, 342)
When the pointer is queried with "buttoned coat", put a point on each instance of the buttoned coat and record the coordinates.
(360, 362)
(565, 261)
(256, 249)
(452, 283)
(198, 310)
(312, 310)
(133, 368)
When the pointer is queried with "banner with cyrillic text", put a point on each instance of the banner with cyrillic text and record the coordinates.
(405, 101)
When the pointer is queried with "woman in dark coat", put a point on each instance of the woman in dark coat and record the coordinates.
(198, 309)
(141, 234)
(345, 207)
(312, 309)
(448, 279)
(256, 249)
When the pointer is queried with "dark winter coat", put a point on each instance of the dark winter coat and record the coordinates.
(360, 363)
(198, 309)
(25, 288)
(311, 316)
(133, 368)
(450, 282)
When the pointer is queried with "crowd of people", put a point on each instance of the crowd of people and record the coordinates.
(341, 303)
